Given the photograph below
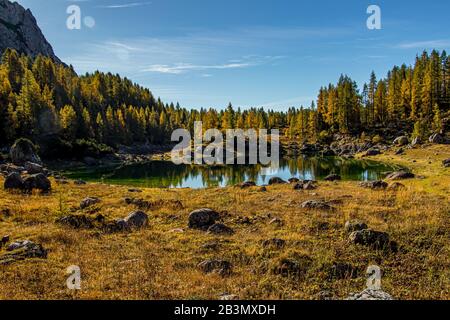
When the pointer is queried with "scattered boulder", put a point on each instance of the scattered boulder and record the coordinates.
(293, 267)
(298, 186)
(33, 168)
(355, 225)
(294, 180)
(21, 250)
(13, 181)
(219, 228)
(247, 184)
(317, 205)
(276, 222)
(396, 186)
(226, 297)
(400, 175)
(222, 267)
(263, 189)
(309, 185)
(37, 181)
(89, 201)
(22, 151)
(370, 238)
(135, 190)
(375, 185)
(401, 141)
(276, 180)
(446, 163)
(436, 138)
(79, 182)
(333, 177)
(370, 294)
(136, 220)
(4, 240)
(77, 221)
(372, 152)
(202, 218)
(325, 295)
(274, 243)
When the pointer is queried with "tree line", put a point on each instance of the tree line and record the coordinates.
(39, 97)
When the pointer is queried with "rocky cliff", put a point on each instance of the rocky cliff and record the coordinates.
(19, 30)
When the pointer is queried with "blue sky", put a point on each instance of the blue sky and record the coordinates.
(272, 53)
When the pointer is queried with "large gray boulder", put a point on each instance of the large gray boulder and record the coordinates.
(89, 201)
(202, 218)
(24, 151)
(37, 181)
(136, 220)
(13, 181)
(370, 238)
(33, 168)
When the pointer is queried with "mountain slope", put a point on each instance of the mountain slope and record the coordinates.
(19, 30)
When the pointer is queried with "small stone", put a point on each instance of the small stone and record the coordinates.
(309, 186)
(376, 185)
(89, 201)
(226, 297)
(355, 225)
(333, 177)
(370, 294)
(294, 180)
(135, 190)
(317, 205)
(276, 180)
(247, 184)
(400, 175)
(136, 219)
(370, 238)
(37, 181)
(401, 141)
(79, 182)
(219, 228)
(202, 218)
(221, 267)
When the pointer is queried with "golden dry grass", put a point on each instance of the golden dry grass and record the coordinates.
(156, 263)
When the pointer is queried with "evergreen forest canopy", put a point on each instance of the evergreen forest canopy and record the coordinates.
(40, 98)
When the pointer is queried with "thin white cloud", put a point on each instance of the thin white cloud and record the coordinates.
(182, 68)
(437, 44)
(125, 5)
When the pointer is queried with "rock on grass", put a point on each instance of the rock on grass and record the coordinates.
(202, 218)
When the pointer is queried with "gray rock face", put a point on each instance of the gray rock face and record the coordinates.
(370, 294)
(137, 219)
(33, 168)
(202, 218)
(19, 31)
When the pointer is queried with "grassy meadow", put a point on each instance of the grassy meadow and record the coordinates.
(160, 261)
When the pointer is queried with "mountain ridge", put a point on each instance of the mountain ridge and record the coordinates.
(19, 30)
